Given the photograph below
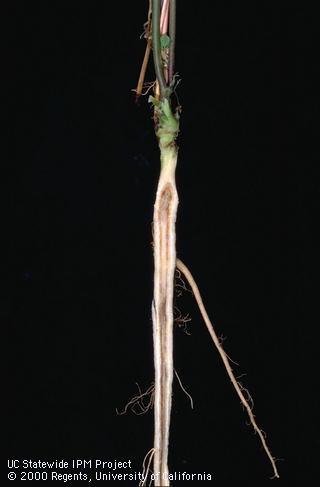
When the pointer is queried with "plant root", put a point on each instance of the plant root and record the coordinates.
(145, 471)
(238, 386)
(182, 321)
(180, 285)
(138, 402)
(186, 392)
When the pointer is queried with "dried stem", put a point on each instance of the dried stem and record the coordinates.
(143, 70)
(145, 61)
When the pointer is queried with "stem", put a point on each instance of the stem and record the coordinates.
(157, 48)
(164, 17)
(172, 35)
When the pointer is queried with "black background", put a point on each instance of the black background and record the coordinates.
(85, 165)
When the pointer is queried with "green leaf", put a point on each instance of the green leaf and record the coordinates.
(153, 101)
(164, 41)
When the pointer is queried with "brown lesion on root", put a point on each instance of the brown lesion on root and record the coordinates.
(165, 199)
(164, 220)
